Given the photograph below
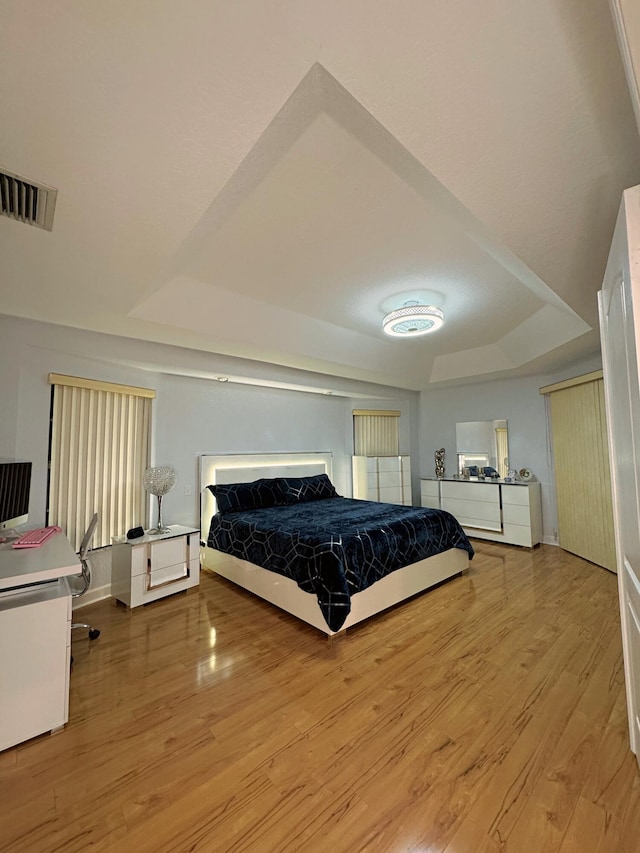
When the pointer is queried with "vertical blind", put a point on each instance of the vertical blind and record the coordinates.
(375, 433)
(99, 449)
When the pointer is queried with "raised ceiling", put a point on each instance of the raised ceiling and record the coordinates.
(268, 179)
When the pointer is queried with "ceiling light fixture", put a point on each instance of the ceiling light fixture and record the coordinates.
(412, 320)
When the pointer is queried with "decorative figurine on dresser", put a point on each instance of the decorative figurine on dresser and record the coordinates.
(439, 456)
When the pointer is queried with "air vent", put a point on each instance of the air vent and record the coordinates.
(27, 201)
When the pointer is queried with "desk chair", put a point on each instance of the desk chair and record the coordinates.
(85, 577)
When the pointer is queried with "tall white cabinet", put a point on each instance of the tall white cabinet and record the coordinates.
(382, 478)
(502, 512)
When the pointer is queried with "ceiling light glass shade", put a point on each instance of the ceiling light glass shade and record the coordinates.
(413, 320)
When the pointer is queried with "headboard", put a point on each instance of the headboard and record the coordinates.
(244, 468)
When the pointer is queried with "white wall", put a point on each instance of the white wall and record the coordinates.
(519, 401)
(195, 416)
(192, 415)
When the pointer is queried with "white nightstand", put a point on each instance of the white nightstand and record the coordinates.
(154, 566)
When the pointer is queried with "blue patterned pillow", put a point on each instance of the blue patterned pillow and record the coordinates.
(303, 489)
(236, 497)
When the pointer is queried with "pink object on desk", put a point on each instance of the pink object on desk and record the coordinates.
(36, 538)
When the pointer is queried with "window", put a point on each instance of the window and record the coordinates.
(376, 433)
(98, 451)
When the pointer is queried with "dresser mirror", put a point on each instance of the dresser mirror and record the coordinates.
(483, 444)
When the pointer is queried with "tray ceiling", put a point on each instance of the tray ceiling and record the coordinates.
(265, 184)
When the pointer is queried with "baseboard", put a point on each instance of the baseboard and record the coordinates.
(548, 540)
(97, 593)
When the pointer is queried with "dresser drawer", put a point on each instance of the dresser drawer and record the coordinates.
(474, 513)
(388, 478)
(430, 503)
(389, 464)
(516, 514)
(471, 491)
(391, 494)
(518, 534)
(430, 494)
(430, 488)
(518, 495)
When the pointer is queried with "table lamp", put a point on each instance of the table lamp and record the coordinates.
(158, 481)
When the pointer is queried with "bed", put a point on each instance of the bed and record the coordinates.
(274, 525)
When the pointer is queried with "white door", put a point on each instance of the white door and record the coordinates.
(619, 303)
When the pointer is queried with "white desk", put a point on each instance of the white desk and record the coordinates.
(35, 638)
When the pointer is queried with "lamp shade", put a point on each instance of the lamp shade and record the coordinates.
(158, 481)
(412, 321)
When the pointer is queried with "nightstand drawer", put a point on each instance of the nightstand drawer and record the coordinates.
(167, 552)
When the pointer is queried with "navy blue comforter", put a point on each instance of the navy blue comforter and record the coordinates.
(336, 547)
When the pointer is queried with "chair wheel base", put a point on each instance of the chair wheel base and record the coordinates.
(94, 633)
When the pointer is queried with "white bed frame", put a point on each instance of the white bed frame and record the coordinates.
(284, 592)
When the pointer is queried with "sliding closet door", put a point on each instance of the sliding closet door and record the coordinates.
(583, 479)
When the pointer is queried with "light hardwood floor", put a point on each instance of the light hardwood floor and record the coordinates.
(486, 715)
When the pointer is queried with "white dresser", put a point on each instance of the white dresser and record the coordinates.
(502, 512)
(154, 566)
(382, 478)
(430, 493)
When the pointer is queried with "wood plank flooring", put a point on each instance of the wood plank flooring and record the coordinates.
(485, 716)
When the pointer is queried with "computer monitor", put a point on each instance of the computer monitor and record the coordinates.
(15, 484)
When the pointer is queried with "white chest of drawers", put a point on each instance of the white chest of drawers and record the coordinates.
(152, 567)
(502, 512)
(382, 478)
